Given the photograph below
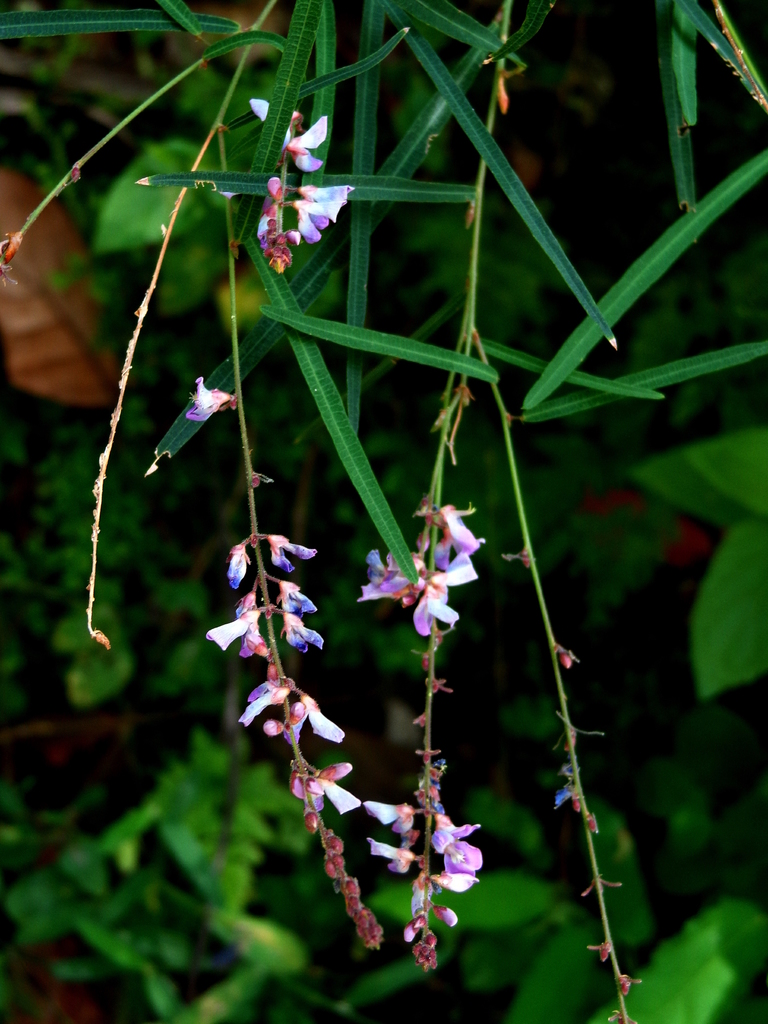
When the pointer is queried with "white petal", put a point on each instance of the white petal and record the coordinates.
(386, 813)
(325, 727)
(460, 570)
(260, 109)
(315, 135)
(224, 635)
(342, 800)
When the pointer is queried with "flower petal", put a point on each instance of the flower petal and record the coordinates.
(224, 635)
(341, 799)
(260, 108)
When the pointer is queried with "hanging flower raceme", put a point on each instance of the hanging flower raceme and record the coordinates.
(315, 208)
(206, 402)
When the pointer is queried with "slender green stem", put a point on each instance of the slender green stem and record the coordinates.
(74, 173)
(746, 65)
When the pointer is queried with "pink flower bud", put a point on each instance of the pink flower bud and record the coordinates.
(311, 821)
(272, 727)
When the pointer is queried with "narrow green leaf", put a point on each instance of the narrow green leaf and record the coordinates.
(310, 281)
(351, 70)
(111, 945)
(244, 39)
(243, 120)
(660, 376)
(446, 18)
(587, 380)
(363, 340)
(646, 271)
(325, 91)
(331, 408)
(290, 74)
(191, 858)
(350, 450)
(361, 222)
(246, 143)
(179, 11)
(535, 13)
(711, 32)
(499, 166)
(684, 62)
(20, 24)
(368, 188)
(680, 146)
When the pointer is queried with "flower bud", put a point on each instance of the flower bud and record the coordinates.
(311, 821)
(272, 727)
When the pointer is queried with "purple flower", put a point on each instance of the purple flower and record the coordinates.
(391, 581)
(279, 545)
(317, 207)
(245, 626)
(446, 915)
(206, 402)
(434, 600)
(321, 725)
(461, 536)
(238, 560)
(298, 635)
(460, 857)
(293, 600)
(401, 814)
(399, 859)
(563, 795)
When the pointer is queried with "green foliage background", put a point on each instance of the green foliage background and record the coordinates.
(129, 892)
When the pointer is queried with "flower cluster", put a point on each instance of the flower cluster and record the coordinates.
(315, 208)
(431, 588)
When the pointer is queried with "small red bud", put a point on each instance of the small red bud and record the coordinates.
(311, 821)
(592, 822)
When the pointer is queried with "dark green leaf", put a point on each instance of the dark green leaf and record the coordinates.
(368, 188)
(162, 995)
(383, 982)
(645, 271)
(19, 24)
(246, 143)
(537, 1000)
(290, 75)
(711, 32)
(179, 11)
(345, 440)
(111, 945)
(361, 223)
(672, 476)
(684, 62)
(325, 91)
(244, 39)
(587, 380)
(499, 166)
(351, 70)
(680, 146)
(393, 345)
(312, 278)
(442, 15)
(191, 858)
(535, 13)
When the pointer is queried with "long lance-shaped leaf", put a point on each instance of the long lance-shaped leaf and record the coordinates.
(499, 166)
(368, 188)
(684, 63)
(180, 13)
(361, 223)
(443, 16)
(285, 95)
(351, 70)
(20, 24)
(711, 32)
(290, 74)
(325, 93)
(363, 340)
(586, 380)
(331, 408)
(645, 271)
(244, 39)
(660, 376)
(313, 276)
(535, 13)
(680, 146)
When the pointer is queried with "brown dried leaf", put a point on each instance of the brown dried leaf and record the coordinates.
(47, 330)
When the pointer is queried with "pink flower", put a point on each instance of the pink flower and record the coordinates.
(206, 402)
(401, 814)
(456, 883)
(279, 545)
(238, 560)
(319, 206)
(391, 581)
(268, 693)
(399, 859)
(446, 915)
(324, 784)
(299, 145)
(321, 725)
(434, 600)
(245, 626)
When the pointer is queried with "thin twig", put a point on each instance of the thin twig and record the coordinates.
(738, 49)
